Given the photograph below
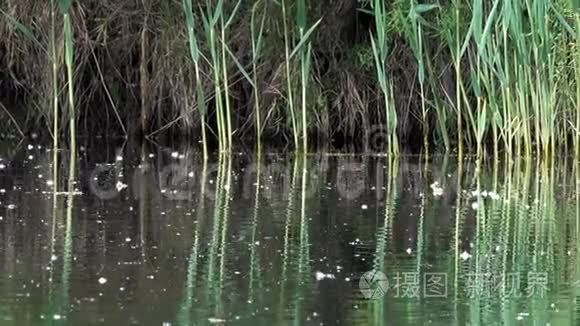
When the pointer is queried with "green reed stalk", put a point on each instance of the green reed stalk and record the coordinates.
(458, 77)
(288, 74)
(210, 20)
(195, 56)
(65, 7)
(507, 86)
(458, 45)
(305, 60)
(575, 6)
(380, 53)
(257, 38)
(415, 34)
(55, 117)
(483, 86)
(577, 75)
(225, 77)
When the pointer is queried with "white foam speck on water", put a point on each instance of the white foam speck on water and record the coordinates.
(216, 320)
(102, 280)
(437, 189)
(324, 276)
(465, 255)
(493, 195)
(120, 186)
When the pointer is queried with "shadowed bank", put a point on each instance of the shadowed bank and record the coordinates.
(490, 76)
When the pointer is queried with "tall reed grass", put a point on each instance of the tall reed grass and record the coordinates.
(487, 76)
(380, 52)
(65, 8)
(196, 58)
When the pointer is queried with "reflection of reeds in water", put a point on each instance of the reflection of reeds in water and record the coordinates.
(515, 236)
(254, 257)
(457, 226)
(575, 297)
(384, 235)
(288, 238)
(55, 214)
(224, 232)
(304, 247)
(58, 303)
(510, 220)
(184, 315)
(208, 268)
(67, 253)
(296, 266)
(216, 269)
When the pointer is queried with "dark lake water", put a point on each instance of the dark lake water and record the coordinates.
(156, 236)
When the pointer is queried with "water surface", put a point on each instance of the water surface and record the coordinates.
(155, 236)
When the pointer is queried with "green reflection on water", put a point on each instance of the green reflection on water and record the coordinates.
(253, 254)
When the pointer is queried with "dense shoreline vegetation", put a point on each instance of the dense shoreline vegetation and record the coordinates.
(466, 76)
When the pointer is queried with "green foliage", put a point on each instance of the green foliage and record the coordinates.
(363, 57)
(501, 72)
